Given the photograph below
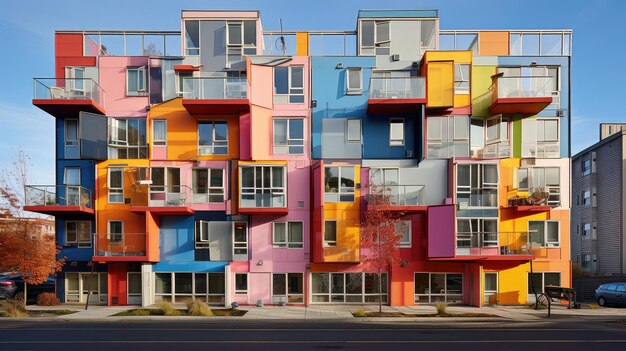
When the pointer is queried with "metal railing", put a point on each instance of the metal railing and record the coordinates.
(266, 199)
(218, 88)
(493, 244)
(542, 149)
(120, 244)
(403, 195)
(68, 89)
(57, 195)
(523, 87)
(535, 196)
(397, 88)
(496, 150)
(160, 195)
(321, 43)
(487, 197)
(129, 42)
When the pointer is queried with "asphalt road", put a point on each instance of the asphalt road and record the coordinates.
(564, 334)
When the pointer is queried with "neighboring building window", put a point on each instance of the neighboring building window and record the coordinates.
(586, 262)
(339, 184)
(159, 132)
(354, 130)
(586, 166)
(263, 186)
(288, 234)
(127, 138)
(71, 139)
(136, 81)
(287, 288)
(543, 233)
(116, 185)
(433, 287)
(477, 185)
(404, 228)
(586, 230)
(586, 198)
(354, 80)
(289, 84)
(288, 136)
(541, 280)
(461, 78)
(78, 233)
(208, 185)
(330, 233)
(115, 231)
(396, 132)
(241, 283)
(448, 136)
(192, 38)
(212, 138)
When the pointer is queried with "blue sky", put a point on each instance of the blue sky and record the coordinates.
(27, 27)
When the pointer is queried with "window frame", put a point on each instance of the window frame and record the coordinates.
(191, 50)
(459, 88)
(70, 142)
(408, 225)
(202, 234)
(354, 91)
(290, 87)
(481, 182)
(209, 188)
(77, 242)
(115, 190)
(543, 280)
(546, 235)
(65, 176)
(392, 141)
(350, 139)
(586, 200)
(142, 86)
(240, 245)
(115, 237)
(433, 296)
(287, 243)
(339, 192)
(289, 140)
(159, 142)
(214, 143)
(247, 281)
(585, 166)
(271, 189)
(330, 243)
(287, 295)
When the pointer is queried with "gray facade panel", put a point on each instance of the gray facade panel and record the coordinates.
(335, 141)
(212, 45)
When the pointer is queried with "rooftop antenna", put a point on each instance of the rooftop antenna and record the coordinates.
(283, 47)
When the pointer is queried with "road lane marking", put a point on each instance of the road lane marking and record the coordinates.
(569, 341)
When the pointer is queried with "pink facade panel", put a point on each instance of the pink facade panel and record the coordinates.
(441, 231)
(112, 70)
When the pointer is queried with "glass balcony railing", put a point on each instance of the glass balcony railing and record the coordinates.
(262, 200)
(151, 195)
(404, 195)
(68, 89)
(121, 244)
(493, 244)
(58, 195)
(524, 87)
(214, 88)
(477, 198)
(397, 88)
(497, 150)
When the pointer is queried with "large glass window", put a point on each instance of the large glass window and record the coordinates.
(339, 184)
(543, 233)
(192, 38)
(288, 234)
(212, 138)
(476, 233)
(263, 186)
(136, 81)
(115, 231)
(448, 136)
(542, 185)
(540, 280)
(127, 138)
(208, 185)
(477, 185)
(116, 185)
(287, 288)
(434, 287)
(289, 84)
(78, 233)
(288, 136)
(348, 287)
(180, 286)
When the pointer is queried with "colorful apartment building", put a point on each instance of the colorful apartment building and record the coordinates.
(232, 164)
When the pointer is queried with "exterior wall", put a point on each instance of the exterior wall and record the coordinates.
(461, 102)
(112, 71)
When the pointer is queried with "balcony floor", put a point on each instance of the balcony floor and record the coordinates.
(528, 106)
(216, 106)
(61, 211)
(384, 106)
(527, 208)
(163, 211)
(263, 210)
(473, 258)
(103, 259)
(62, 108)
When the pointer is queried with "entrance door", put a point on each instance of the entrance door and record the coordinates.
(491, 288)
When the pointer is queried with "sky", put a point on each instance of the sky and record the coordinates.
(27, 38)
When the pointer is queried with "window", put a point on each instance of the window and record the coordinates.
(179, 287)
(477, 185)
(433, 287)
(374, 38)
(586, 198)
(540, 280)
(542, 184)
(240, 238)
(475, 233)
(78, 233)
(202, 235)
(263, 186)
(71, 176)
(184, 83)
(586, 166)
(448, 136)
(339, 184)
(241, 283)
(116, 185)
(289, 84)
(288, 234)
(240, 40)
(127, 138)
(354, 130)
(354, 78)
(72, 147)
(208, 185)
(192, 38)
(396, 132)
(212, 138)
(136, 81)
(330, 233)
(77, 81)
(461, 78)
(159, 132)
(543, 233)
(287, 288)
(586, 262)
(404, 228)
(288, 136)
(348, 287)
(115, 231)
(134, 287)
(491, 288)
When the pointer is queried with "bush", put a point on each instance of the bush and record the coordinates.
(167, 309)
(13, 308)
(139, 312)
(196, 307)
(360, 313)
(47, 299)
(441, 308)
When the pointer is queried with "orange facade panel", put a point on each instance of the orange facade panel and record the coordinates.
(493, 43)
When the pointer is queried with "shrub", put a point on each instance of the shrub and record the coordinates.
(360, 313)
(196, 307)
(167, 309)
(139, 312)
(441, 308)
(47, 299)
(13, 308)
(594, 306)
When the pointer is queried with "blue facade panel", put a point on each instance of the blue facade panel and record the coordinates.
(73, 253)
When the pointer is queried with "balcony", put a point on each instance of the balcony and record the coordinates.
(262, 202)
(537, 199)
(110, 247)
(526, 95)
(67, 97)
(161, 200)
(59, 200)
(495, 246)
(396, 94)
(497, 150)
(405, 198)
(542, 149)
(210, 95)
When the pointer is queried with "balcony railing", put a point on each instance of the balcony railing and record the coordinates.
(535, 196)
(68, 89)
(493, 244)
(524, 87)
(123, 244)
(214, 88)
(542, 149)
(477, 198)
(161, 195)
(321, 43)
(404, 195)
(397, 88)
(497, 150)
(58, 195)
(266, 199)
